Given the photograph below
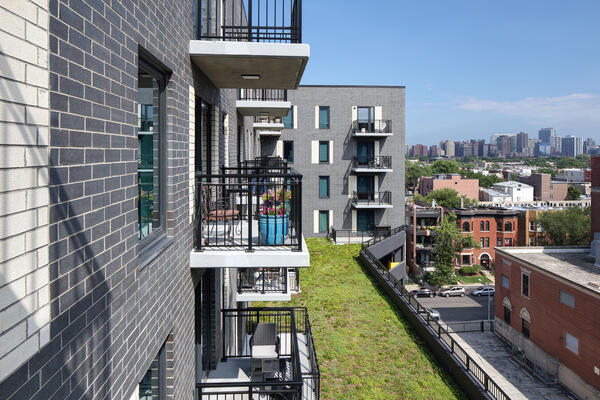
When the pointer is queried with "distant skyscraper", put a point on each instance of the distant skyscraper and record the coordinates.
(545, 134)
(523, 143)
(418, 150)
(588, 144)
(572, 146)
(448, 147)
(503, 145)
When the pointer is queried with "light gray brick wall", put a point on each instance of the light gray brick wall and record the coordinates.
(24, 116)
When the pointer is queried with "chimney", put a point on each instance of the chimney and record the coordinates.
(595, 245)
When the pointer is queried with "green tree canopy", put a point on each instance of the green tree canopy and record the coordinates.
(445, 167)
(569, 227)
(573, 193)
(447, 198)
(413, 172)
(485, 181)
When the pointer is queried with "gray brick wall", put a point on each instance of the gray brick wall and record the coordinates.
(341, 99)
(109, 313)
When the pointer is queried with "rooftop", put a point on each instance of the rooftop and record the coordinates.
(573, 264)
(513, 184)
(494, 193)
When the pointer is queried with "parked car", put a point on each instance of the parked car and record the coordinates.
(435, 314)
(452, 291)
(483, 291)
(423, 292)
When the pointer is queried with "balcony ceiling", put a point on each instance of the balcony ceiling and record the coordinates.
(279, 65)
(263, 108)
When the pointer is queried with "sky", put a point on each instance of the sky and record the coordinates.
(471, 68)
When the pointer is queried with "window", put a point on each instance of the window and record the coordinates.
(288, 151)
(288, 120)
(482, 242)
(466, 227)
(508, 242)
(482, 226)
(525, 327)
(487, 226)
(323, 221)
(531, 241)
(505, 282)
(154, 383)
(508, 227)
(531, 226)
(487, 242)
(323, 117)
(324, 151)
(466, 259)
(366, 119)
(323, 187)
(567, 298)
(499, 242)
(507, 315)
(151, 150)
(525, 284)
(572, 343)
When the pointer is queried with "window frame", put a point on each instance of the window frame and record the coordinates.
(507, 313)
(285, 159)
(326, 142)
(528, 275)
(487, 226)
(568, 296)
(328, 117)
(504, 279)
(326, 177)
(487, 242)
(146, 65)
(324, 212)
(525, 328)
(576, 350)
(291, 119)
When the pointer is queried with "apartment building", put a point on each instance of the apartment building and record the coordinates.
(544, 188)
(348, 144)
(421, 222)
(137, 221)
(464, 186)
(516, 191)
(492, 228)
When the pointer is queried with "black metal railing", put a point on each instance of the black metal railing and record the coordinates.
(383, 234)
(264, 119)
(262, 94)
(372, 126)
(379, 162)
(262, 280)
(372, 198)
(291, 381)
(259, 166)
(242, 210)
(437, 328)
(350, 235)
(269, 21)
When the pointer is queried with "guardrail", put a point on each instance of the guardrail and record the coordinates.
(262, 94)
(375, 162)
(372, 126)
(434, 327)
(372, 199)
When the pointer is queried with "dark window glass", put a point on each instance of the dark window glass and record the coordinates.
(481, 226)
(499, 242)
(508, 227)
(150, 120)
(365, 221)
(324, 151)
(153, 385)
(525, 284)
(466, 227)
(466, 259)
(288, 120)
(507, 315)
(525, 327)
(487, 242)
(323, 221)
(323, 117)
(487, 225)
(365, 152)
(366, 119)
(288, 151)
(323, 186)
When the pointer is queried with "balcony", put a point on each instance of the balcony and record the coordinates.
(249, 216)
(268, 126)
(291, 372)
(372, 200)
(250, 44)
(267, 284)
(263, 102)
(372, 129)
(379, 164)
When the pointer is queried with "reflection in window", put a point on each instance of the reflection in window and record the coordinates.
(288, 151)
(149, 93)
(288, 120)
(323, 117)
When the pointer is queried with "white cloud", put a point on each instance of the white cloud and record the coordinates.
(578, 108)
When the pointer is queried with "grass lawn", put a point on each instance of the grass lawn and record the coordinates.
(474, 279)
(366, 349)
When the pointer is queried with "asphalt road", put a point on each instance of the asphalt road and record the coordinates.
(467, 308)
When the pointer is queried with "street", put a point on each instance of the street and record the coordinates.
(467, 308)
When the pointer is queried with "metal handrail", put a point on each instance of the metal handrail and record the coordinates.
(374, 198)
(372, 126)
(262, 94)
(376, 162)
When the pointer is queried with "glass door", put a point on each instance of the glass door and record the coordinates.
(365, 152)
(365, 187)
(366, 119)
(365, 220)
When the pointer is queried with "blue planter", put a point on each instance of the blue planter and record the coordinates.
(273, 229)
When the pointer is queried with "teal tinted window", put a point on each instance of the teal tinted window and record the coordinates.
(323, 186)
(324, 152)
(365, 220)
(288, 151)
(323, 117)
(288, 120)
(324, 221)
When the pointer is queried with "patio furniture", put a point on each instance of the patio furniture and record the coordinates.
(219, 209)
(264, 349)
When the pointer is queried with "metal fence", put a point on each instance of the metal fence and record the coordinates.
(378, 162)
(372, 198)
(262, 94)
(262, 280)
(372, 126)
(437, 328)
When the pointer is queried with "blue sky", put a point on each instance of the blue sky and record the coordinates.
(471, 67)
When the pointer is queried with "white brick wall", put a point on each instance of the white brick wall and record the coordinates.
(24, 119)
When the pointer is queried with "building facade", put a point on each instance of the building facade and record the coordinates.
(421, 222)
(544, 188)
(530, 231)
(516, 191)
(347, 142)
(464, 186)
(116, 121)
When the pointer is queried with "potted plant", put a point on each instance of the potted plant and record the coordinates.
(274, 216)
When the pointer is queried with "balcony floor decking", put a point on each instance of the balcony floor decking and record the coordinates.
(226, 245)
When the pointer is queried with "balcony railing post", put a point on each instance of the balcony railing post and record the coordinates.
(298, 212)
(250, 20)
(250, 194)
(198, 221)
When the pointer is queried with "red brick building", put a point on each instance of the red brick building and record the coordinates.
(464, 186)
(491, 228)
(547, 304)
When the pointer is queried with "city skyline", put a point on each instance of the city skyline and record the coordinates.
(470, 68)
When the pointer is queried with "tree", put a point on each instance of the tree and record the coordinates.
(449, 242)
(569, 227)
(445, 167)
(573, 193)
(448, 198)
(413, 172)
(485, 181)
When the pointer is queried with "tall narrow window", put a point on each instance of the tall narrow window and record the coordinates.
(487, 242)
(481, 226)
(323, 117)
(572, 343)
(487, 226)
(288, 151)
(154, 383)
(324, 187)
(366, 119)
(525, 284)
(323, 221)
(507, 315)
(324, 151)
(525, 327)
(151, 111)
(288, 120)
